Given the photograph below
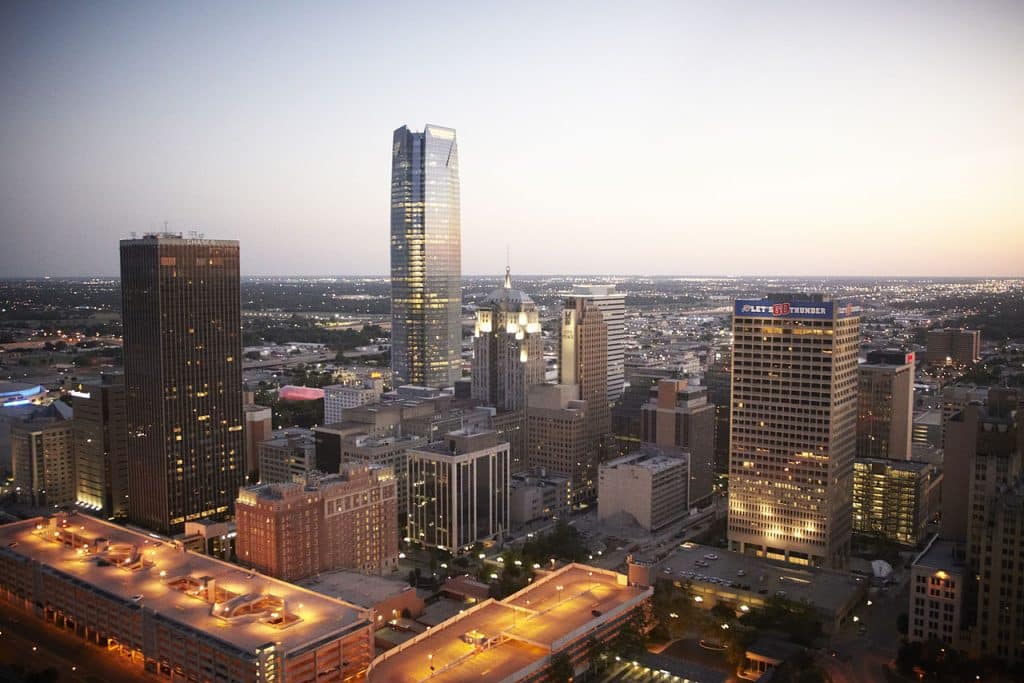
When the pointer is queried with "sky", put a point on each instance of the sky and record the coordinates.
(676, 138)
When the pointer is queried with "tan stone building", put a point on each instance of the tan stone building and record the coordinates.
(650, 485)
(885, 405)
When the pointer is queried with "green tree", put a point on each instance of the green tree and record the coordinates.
(561, 669)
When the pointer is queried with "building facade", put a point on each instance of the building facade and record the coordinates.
(258, 427)
(426, 258)
(338, 397)
(895, 499)
(180, 306)
(537, 496)
(458, 490)
(341, 521)
(679, 416)
(794, 428)
(556, 437)
(885, 405)
(612, 305)
(938, 580)
(650, 485)
(43, 459)
(101, 447)
(508, 352)
(953, 347)
(289, 455)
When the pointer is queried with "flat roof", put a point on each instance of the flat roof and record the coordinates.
(941, 554)
(359, 589)
(521, 630)
(830, 591)
(314, 617)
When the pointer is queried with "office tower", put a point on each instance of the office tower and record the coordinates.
(338, 397)
(583, 362)
(258, 427)
(649, 486)
(953, 347)
(341, 521)
(927, 429)
(43, 458)
(794, 427)
(288, 455)
(885, 405)
(183, 378)
(718, 379)
(954, 399)
(895, 499)
(612, 305)
(101, 447)
(458, 490)
(556, 437)
(627, 411)
(508, 352)
(426, 258)
(679, 416)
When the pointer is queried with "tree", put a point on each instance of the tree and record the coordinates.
(561, 669)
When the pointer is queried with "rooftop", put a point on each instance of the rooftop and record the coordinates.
(650, 458)
(359, 589)
(941, 555)
(520, 632)
(161, 576)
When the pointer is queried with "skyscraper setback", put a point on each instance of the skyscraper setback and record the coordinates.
(794, 428)
(183, 378)
(426, 258)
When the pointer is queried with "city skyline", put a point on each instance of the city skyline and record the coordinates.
(798, 132)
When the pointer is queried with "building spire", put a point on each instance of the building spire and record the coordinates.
(508, 277)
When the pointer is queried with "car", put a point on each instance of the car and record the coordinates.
(667, 570)
(595, 612)
(711, 556)
(740, 572)
(780, 594)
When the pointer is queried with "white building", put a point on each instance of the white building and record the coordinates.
(612, 305)
(650, 485)
(337, 397)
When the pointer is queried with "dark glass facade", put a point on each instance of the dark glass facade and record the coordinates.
(183, 378)
(426, 258)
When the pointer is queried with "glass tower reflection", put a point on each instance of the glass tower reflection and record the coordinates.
(426, 258)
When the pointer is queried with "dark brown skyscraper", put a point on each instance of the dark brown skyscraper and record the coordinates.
(101, 447)
(183, 378)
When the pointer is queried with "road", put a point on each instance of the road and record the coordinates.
(32, 643)
(862, 658)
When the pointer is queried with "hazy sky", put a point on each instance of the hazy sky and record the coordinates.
(658, 138)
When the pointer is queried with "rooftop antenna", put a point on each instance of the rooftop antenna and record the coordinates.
(508, 269)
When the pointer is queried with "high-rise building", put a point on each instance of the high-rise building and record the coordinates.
(679, 416)
(508, 352)
(459, 490)
(953, 400)
(953, 346)
(388, 451)
(885, 405)
(101, 447)
(718, 379)
(341, 521)
(426, 258)
(583, 362)
(43, 458)
(180, 307)
(895, 499)
(258, 427)
(627, 410)
(556, 437)
(612, 305)
(794, 427)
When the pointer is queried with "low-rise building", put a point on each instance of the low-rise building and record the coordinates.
(650, 485)
(539, 496)
(209, 537)
(937, 583)
(389, 451)
(289, 455)
(338, 397)
(953, 346)
(390, 599)
(927, 428)
(43, 457)
(174, 613)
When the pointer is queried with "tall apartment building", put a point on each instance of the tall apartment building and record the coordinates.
(43, 458)
(556, 437)
(258, 427)
(180, 306)
(679, 416)
(794, 428)
(953, 346)
(508, 352)
(338, 397)
(895, 499)
(288, 455)
(101, 447)
(612, 305)
(426, 258)
(885, 405)
(341, 521)
(649, 485)
(459, 490)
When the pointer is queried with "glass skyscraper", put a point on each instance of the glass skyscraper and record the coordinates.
(426, 258)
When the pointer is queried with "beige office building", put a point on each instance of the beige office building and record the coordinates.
(794, 428)
(649, 485)
(556, 436)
